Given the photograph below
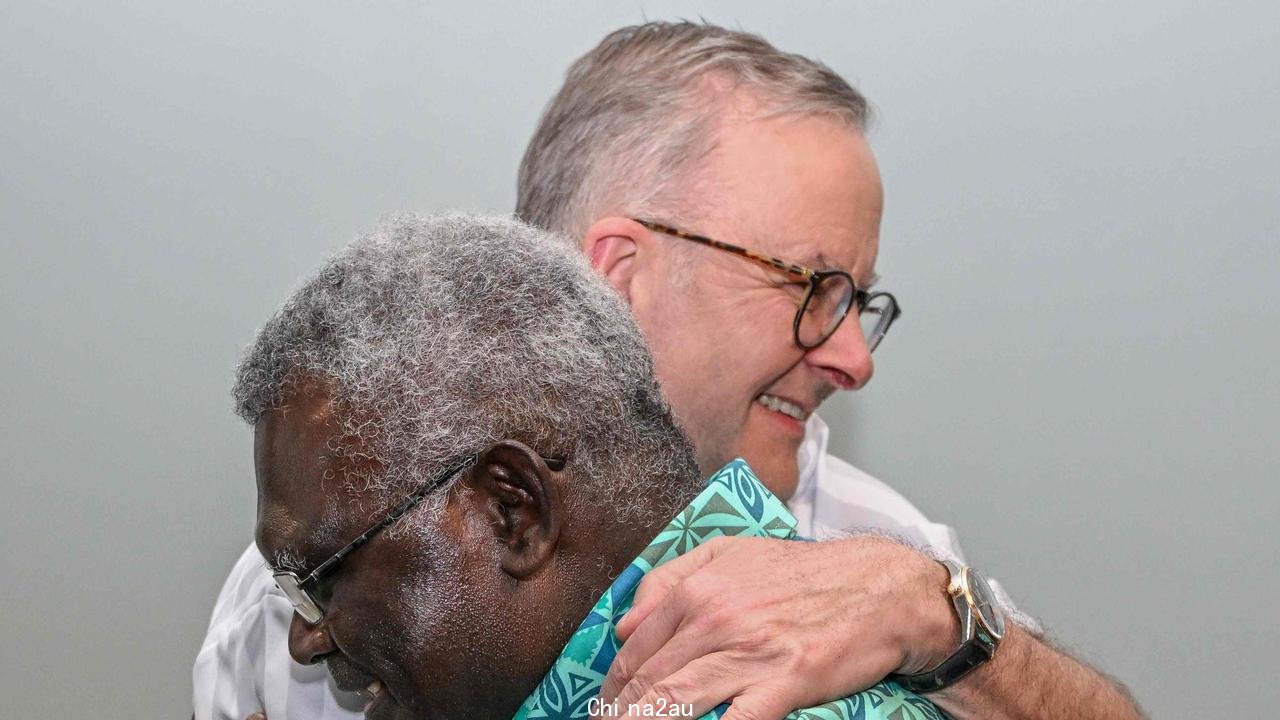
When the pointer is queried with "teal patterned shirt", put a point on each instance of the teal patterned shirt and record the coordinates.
(733, 503)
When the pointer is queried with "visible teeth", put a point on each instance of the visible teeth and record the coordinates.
(782, 406)
(374, 688)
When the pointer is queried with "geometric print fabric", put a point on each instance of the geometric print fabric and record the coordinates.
(734, 502)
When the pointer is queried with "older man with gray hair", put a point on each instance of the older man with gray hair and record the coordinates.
(461, 453)
(727, 190)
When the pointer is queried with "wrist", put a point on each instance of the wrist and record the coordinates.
(935, 632)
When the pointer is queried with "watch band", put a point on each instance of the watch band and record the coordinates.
(961, 663)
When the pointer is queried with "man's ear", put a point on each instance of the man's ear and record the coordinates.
(614, 245)
(519, 496)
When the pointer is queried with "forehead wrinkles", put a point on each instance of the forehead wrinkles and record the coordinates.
(803, 188)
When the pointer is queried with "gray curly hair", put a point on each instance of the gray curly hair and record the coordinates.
(442, 335)
(638, 113)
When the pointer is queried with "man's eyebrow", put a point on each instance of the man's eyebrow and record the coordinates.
(816, 261)
(820, 262)
(285, 559)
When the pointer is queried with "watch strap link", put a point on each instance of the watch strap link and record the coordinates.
(961, 663)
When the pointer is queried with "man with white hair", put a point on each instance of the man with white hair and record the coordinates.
(726, 190)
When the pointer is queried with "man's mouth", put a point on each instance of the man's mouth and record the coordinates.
(349, 678)
(786, 407)
(371, 693)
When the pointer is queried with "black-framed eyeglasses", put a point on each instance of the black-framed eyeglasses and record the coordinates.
(302, 592)
(827, 300)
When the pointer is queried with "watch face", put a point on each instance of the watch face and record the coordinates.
(985, 604)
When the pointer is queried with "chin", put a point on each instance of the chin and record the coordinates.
(782, 482)
(779, 473)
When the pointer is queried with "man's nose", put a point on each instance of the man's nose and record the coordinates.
(309, 644)
(844, 358)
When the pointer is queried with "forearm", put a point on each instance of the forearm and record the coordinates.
(1027, 678)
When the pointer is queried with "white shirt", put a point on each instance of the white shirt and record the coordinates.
(244, 665)
(834, 498)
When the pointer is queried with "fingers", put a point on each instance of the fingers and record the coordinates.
(660, 581)
(648, 638)
(688, 691)
(759, 705)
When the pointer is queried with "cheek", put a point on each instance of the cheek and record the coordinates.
(749, 354)
(430, 595)
(437, 618)
(462, 641)
(767, 352)
(401, 616)
(755, 333)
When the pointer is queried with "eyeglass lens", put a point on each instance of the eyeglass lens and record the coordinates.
(876, 318)
(303, 602)
(826, 307)
(828, 304)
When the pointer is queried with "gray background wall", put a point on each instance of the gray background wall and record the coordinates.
(1082, 224)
